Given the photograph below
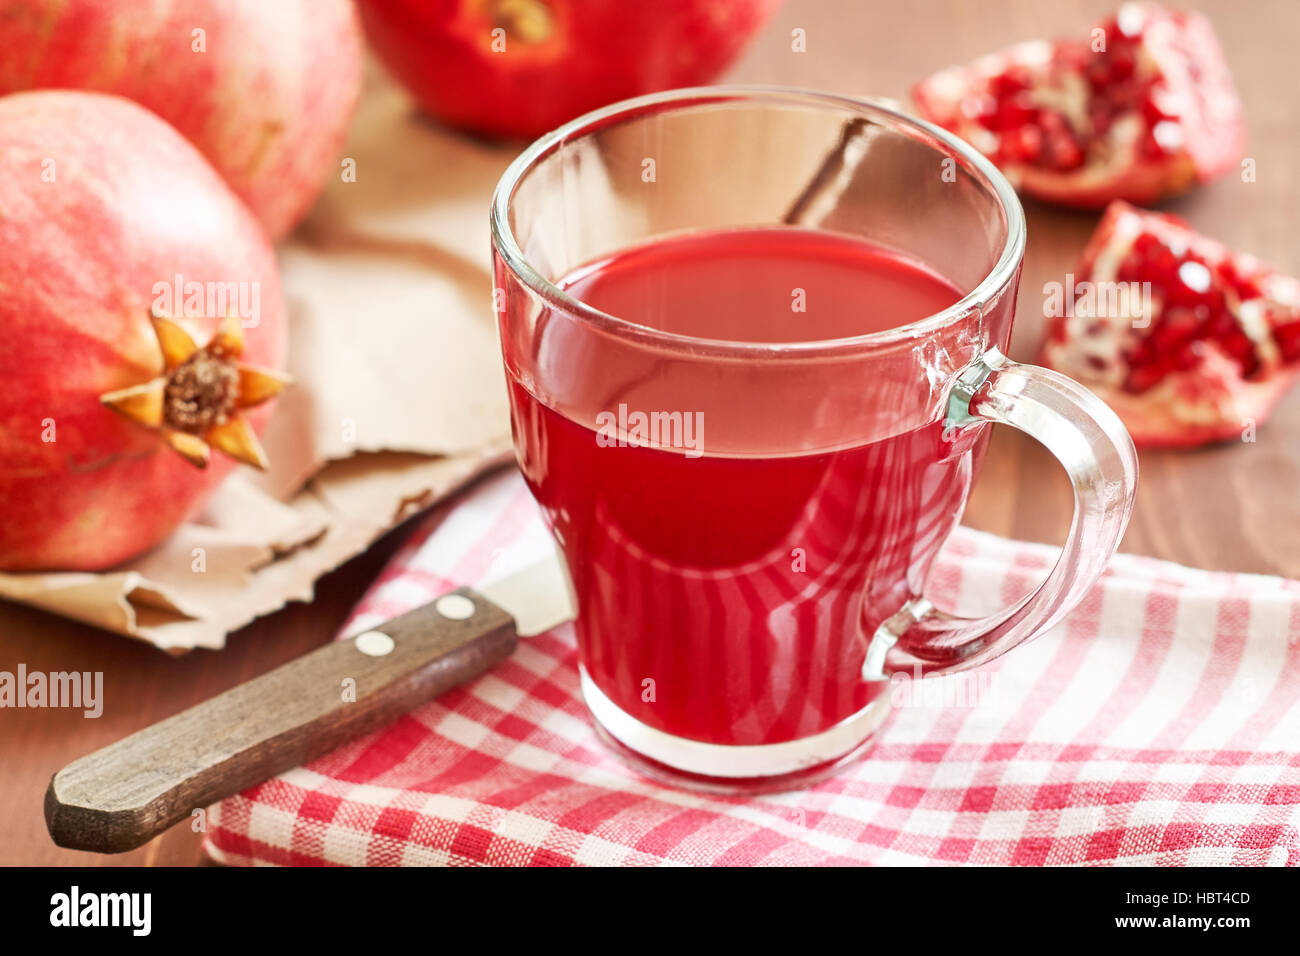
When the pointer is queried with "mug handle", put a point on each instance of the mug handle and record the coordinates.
(1098, 454)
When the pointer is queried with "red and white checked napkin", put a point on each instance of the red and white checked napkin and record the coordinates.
(1158, 724)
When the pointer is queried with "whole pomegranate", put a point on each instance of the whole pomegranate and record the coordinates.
(521, 67)
(136, 287)
(1189, 341)
(265, 90)
(1140, 108)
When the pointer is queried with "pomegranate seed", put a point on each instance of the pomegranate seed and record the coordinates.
(1129, 22)
(1013, 80)
(1064, 152)
(1223, 325)
(1187, 357)
(1121, 64)
(1165, 138)
(1176, 325)
(1152, 111)
(980, 108)
(1022, 145)
(1013, 112)
(1246, 286)
(1052, 122)
(1195, 276)
(1288, 341)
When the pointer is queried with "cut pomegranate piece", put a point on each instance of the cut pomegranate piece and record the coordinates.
(1142, 108)
(1187, 340)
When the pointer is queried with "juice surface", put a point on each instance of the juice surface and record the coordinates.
(762, 285)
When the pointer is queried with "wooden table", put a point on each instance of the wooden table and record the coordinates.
(1234, 507)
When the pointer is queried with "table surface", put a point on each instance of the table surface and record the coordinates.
(1232, 507)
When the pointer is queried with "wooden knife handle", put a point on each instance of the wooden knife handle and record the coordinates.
(124, 795)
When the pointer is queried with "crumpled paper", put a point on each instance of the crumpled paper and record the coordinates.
(399, 396)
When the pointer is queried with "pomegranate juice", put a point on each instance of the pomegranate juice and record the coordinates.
(727, 595)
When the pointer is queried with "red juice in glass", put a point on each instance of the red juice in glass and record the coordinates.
(735, 582)
(753, 341)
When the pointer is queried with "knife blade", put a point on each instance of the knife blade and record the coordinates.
(123, 795)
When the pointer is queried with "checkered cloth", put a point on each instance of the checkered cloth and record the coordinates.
(1158, 724)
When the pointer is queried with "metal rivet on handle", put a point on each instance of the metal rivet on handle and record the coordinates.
(454, 607)
(374, 643)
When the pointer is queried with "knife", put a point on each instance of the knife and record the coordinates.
(119, 797)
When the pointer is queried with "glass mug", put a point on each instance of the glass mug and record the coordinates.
(746, 588)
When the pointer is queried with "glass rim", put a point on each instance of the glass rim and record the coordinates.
(985, 292)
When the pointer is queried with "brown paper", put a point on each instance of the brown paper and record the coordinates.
(399, 397)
